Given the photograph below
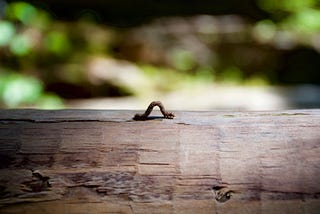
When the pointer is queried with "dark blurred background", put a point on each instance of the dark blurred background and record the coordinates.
(192, 55)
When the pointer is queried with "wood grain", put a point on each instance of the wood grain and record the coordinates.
(84, 161)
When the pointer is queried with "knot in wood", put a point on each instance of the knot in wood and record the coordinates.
(222, 194)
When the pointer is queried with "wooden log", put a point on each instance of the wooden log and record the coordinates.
(84, 161)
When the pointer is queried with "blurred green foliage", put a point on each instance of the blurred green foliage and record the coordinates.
(38, 52)
(275, 6)
(7, 31)
(19, 89)
(22, 90)
(23, 12)
(183, 60)
(58, 43)
(18, 41)
(294, 15)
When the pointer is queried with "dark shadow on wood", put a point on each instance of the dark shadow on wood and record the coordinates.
(151, 118)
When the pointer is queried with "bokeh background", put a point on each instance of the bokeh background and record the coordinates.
(191, 55)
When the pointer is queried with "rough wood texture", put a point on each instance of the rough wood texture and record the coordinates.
(77, 161)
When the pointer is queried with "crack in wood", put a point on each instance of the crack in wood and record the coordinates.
(155, 164)
(6, 120)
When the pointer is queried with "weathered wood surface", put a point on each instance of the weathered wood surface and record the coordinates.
(78, 161)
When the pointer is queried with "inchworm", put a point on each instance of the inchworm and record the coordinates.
(145, 115)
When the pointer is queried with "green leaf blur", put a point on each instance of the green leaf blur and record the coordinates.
(44, 60)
